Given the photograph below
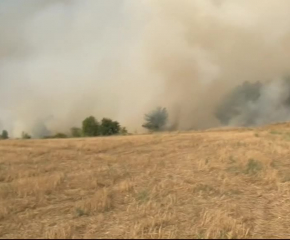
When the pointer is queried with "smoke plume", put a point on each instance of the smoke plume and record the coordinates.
(64, 60)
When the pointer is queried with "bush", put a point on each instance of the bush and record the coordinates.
(25, 135)
(4, 135)
(156, 120)
(90, 127)
(76, 132)
(60, 135)
(123, 131)
(109, 127)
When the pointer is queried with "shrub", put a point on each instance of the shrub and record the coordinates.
(123, 131)
(4, 135)
(25, 135)
(76, 132)
(60, 135)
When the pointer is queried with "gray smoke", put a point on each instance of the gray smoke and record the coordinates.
(253, 104)
(121, 58)
(203, 49)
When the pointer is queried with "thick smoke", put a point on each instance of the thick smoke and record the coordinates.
(203, 49)
(63, 60)
(252, 104)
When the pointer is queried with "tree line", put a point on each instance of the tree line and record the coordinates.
(155, 120)
(91, 127)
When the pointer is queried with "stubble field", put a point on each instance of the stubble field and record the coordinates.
(231, 183)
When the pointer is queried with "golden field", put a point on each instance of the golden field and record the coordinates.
(222, 183)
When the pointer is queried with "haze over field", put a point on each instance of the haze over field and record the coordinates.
(63, 60)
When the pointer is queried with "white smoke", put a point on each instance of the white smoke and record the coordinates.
(63, 60)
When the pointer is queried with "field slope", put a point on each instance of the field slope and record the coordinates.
(215, 184)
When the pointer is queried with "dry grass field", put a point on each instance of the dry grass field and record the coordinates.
(231, 183)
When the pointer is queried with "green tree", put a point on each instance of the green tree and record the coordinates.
(4, 134)
(156, 120)
(76, 132)
(25, 135)
(90, 127)
(109, 127)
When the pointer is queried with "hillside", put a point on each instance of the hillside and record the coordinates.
(231, 183)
